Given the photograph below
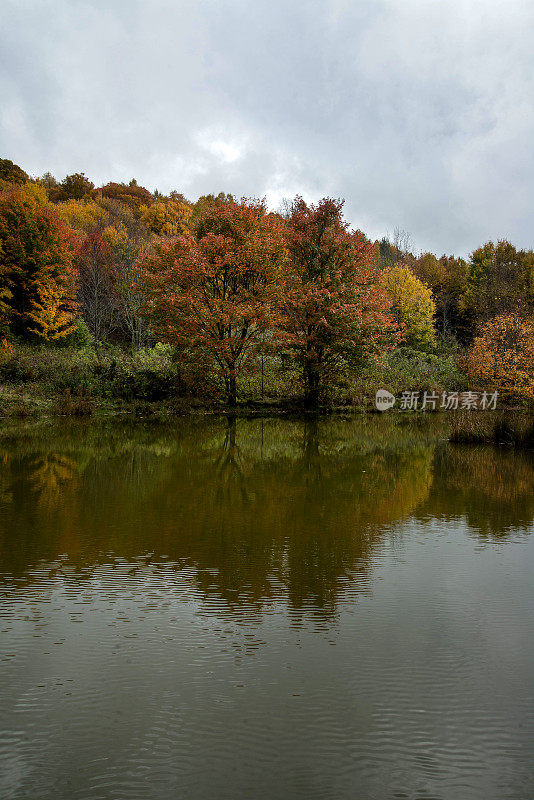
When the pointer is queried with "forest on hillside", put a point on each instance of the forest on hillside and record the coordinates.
(119, 292)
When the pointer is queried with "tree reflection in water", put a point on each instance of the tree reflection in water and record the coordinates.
(263, 511)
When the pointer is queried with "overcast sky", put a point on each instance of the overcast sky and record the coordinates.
(420, 113)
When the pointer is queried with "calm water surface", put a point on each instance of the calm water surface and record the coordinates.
(264, 609)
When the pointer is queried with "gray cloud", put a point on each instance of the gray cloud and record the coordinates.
(419, 112)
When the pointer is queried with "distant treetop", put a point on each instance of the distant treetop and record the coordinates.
(131, 195)
(12, 173)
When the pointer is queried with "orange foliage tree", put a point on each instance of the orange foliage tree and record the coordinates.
(130, 194)
(502, 357)
(216, 292)
(337, 312)
(37, 278)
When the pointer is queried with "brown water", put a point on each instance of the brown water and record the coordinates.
(266, 609)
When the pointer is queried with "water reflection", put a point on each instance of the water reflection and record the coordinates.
(491, 488)
(251, 504)
(264, 608)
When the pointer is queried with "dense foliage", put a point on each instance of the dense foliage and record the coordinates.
(216, 290)
(37, 290)
(336, 311)
(502, 357)
(413, 306)
(248, 303)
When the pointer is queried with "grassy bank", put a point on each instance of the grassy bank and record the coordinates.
(513, 429)
(109, 379)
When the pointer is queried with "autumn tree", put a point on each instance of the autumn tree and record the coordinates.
(97, 292)
(169, 218)
(336, 310)
(502, 357)
(130, 194)
(36, 265)
(413, 306)
(113, 236)
(84, 216)
(125, 245)
(446, 277)
(12, 173)
(394, 251)
(216, 292)
(49, 182)
(72, 187)
(126, 236)
(498, 283)
(49, 316)
(207, 200)
(118, 214)
(5, 296)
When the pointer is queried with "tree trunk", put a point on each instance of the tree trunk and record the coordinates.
(311, 397)
(232, 391)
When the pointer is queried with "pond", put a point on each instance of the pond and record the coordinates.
(264, 608)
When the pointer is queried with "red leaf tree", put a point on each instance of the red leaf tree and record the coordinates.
(217, 292)
(37, 278)
(336, 311)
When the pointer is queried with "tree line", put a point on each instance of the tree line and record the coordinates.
(228, 283)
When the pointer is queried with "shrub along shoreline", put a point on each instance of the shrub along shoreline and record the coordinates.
(47, 380)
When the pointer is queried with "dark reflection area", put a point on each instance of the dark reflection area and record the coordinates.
(491, 488)
(253, 505)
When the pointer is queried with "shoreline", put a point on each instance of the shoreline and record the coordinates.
(22, 401)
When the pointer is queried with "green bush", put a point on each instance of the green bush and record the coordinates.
(150, 374)
(413, 370)
(404, 369)
(80, 337)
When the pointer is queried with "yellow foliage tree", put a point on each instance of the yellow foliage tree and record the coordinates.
(502, 357)
(413, 306)
(52, 311)
(5, 310)
(37, 251)
(116, 236)
(167, 218)
(85, 216)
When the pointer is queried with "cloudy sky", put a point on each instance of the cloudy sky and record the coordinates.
(420, 113)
